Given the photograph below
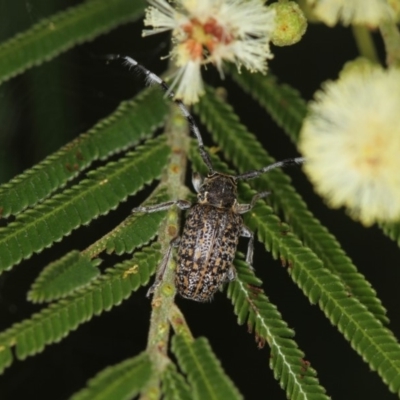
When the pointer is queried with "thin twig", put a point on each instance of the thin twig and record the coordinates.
(163, 296)
(391, 38)
(365, 44)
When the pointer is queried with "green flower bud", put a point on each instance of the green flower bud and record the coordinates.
(290, 23)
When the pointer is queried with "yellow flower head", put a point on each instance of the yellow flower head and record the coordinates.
(351, 140)
(364, 12)
(211, 31)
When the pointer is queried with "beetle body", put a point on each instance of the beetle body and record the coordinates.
(209, 240)
(213, 226)
(206, 251)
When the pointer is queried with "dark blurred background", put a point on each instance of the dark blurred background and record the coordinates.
(48, 106)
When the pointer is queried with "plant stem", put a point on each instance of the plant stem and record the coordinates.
(163, 296)
(391, 38)
(179, 323)
(364, 42)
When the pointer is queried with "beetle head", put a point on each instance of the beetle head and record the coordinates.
(218, 190)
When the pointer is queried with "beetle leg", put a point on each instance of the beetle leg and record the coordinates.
(243, 208)
(163, 265)
(182, 204)
(246, 232)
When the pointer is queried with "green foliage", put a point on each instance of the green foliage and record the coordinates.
(203, 370)
(102, 191)
(116, 158)
(252, 307)
(367, 335)
(54, 35)
(242, 148)
(129, 124)
(121, 381)
(283, 103)
(63, 276)
(54, 322)
(136, 230)
(174, 385)
(392, 230)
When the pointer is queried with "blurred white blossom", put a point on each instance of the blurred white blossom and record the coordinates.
(365, 12)
(351, 140)
(212, 31)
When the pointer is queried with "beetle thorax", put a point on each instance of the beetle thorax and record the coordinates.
(218, 190)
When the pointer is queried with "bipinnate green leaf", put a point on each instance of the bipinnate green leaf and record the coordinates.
(282, 102)
(138, 229)
(174, 386)
(76, 269)
(294, 373)
(366, 334)
(130, 123)
(63, 276)
(55, 321)
(64, 30)
(204, 372)
(118, 382)
(102, 191)
(246, 153)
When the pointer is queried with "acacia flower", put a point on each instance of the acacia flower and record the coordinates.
(366, 12)
(211, 31)
(351, 140)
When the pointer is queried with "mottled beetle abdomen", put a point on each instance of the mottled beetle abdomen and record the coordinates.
(206, 251)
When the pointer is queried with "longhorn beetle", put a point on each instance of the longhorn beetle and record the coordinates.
(213, 225)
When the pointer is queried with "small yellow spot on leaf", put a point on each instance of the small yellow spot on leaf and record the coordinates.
(130, 271)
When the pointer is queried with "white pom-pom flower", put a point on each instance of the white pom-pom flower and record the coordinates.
(363, 12)
(212, 31)
(351, 140)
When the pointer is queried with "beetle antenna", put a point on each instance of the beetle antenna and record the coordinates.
(279, 164)
(151, 78)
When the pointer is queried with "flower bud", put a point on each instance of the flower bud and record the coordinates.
(290, 23)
